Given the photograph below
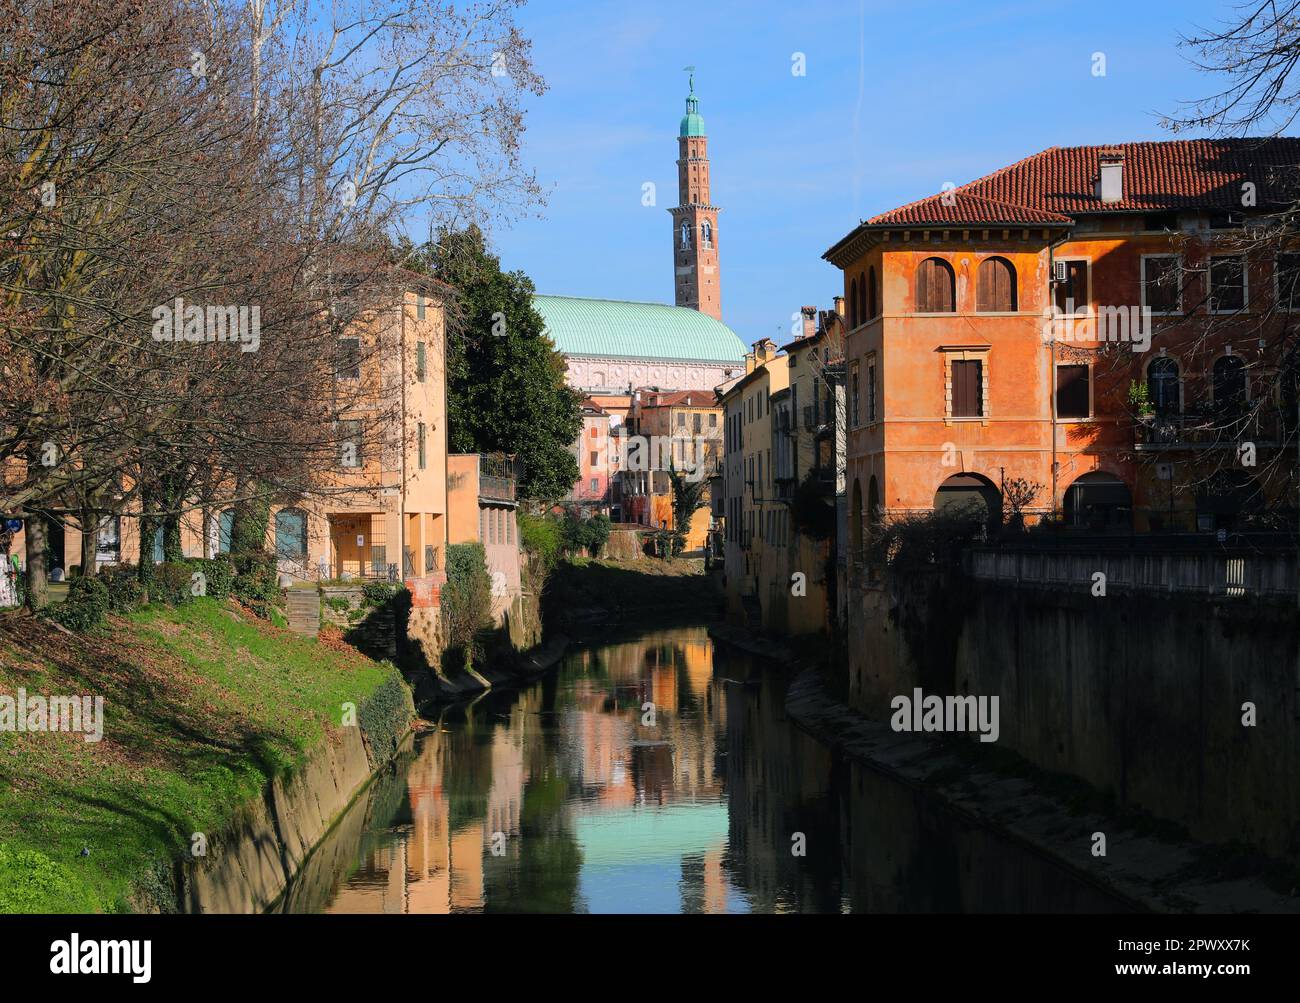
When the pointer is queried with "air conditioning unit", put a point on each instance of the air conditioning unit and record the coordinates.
(1059, 273)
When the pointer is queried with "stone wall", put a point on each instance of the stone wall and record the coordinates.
(1140, 694)
(246, 868)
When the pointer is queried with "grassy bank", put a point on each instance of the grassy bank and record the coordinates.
(202, 706)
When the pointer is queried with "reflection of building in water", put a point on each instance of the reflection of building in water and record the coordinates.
(435, 864)
(617, 759)
(704, 882)
(778, 785)
(600, 789)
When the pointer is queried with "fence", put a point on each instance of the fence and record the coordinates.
(1227, 573)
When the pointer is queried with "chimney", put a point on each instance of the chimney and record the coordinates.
(1110, 180)
(809, 321)
(839, 305)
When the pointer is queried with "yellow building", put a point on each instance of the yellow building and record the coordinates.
(683, 430)
(481, 506)
(380, 509)
(781, 441)
(757, 521)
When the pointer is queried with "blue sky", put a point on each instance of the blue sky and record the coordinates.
(898, 98)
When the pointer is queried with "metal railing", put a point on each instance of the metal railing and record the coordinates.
(498, 476)
(1207, 428)
(1229, 574)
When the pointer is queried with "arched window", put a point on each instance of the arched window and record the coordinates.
(854, 319)
(225, 530)
(686, 234)
(291, 534)
(1230, 384)
(706, 234)
(863, 316)
(936, 287)
(1162, 385)
(873, 295)
(996, 286)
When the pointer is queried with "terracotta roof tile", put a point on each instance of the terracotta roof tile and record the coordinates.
(1059, 183)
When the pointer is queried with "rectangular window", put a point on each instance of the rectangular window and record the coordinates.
(1161, 283)
(871, 393)
(108, 540)
(379, 558)
(1072, 391)
(1288, 281)
(595, 458)
(420, 437)
(681, 419)
(419, 361)
(967, 388)
(1071, 296)
(419, 308)
(713, 421)
(1227, 283)
(854, 393)
(349, 359)
(595, 432)
(595, 485)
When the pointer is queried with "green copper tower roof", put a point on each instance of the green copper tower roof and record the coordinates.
(692, 122)
(622, 330)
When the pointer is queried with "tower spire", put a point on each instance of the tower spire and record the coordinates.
(696, 282)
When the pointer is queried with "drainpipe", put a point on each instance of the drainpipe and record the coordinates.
(1051, 375)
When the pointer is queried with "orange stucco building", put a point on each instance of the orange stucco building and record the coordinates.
(1086, 320)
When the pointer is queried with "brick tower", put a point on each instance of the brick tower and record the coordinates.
(696, 281)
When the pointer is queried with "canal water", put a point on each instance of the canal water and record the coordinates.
(658, 773)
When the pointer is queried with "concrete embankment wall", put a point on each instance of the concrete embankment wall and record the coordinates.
(247, 867)
(1138, 693)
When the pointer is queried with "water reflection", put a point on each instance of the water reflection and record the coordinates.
(656, 774)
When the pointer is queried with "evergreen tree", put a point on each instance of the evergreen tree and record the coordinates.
(505, 381)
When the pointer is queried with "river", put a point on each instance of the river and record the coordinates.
(658, 773)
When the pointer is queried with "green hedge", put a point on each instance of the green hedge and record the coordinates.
(218, 576)
(386, 715)
(172, 583)
(257, 583)
(543, 536)
(466, 601)
(85, 606)
(125, 592)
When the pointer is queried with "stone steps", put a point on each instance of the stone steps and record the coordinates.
(302, 606)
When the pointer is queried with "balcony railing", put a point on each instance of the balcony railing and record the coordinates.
(498, 477)
(1210, 429)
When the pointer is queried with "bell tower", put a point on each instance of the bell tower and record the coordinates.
(696, 282)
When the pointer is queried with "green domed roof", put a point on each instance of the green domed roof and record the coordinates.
(692, 121)
(623, 330)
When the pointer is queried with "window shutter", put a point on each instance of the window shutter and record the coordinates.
(995, 289)
(934, 287)
(1072, 391)
(967, 384)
